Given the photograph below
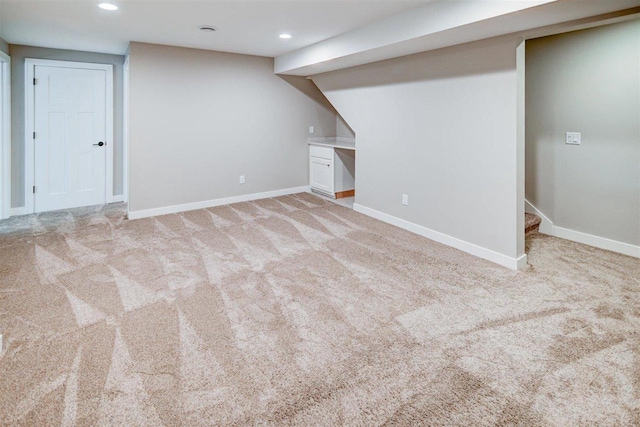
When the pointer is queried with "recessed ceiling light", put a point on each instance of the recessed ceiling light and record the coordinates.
(108, 6)
(285, 36)
(208, 28)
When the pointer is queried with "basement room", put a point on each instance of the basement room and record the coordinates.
(320, 213)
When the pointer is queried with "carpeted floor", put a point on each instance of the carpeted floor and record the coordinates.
(531, 222)
(296, 311)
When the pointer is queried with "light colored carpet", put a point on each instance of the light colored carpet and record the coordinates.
(296, 311)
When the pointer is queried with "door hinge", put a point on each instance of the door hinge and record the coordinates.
(34, 189)
(34, 135)
(35, 81)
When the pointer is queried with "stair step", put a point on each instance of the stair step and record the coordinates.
(531, 222)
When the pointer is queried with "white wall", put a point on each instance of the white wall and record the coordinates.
(200, 119)
(441, 127)
(586, 81)
(18, 55)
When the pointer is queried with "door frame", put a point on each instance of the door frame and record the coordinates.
(125, 130)
(5, 135)
(29, 154)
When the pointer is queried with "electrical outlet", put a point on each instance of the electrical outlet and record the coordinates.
(312, 129)
(405, 199)
(572, 138)
(242, 179)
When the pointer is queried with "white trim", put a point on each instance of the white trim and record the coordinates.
(521, 262)
(29, 155)
(598, 242)
(125, 130)
(470, 248)
(520, 145)
(110, 166)
(547, 227)
(5, 137)
(19, 211)
(215, 202)
(117, 199)
(29, 152)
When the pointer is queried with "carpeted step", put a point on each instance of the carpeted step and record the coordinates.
(531, 222)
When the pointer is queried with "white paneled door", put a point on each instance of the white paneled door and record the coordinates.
(70, 145)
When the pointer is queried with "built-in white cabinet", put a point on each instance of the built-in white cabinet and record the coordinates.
(332, 170)
(321, 175)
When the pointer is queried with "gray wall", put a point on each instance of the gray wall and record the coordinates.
(440, 126)
(343, 129)
(4, 46)
(586, 81)
(18, 54)
(200, 119)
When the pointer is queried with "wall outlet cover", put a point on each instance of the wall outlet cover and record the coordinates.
(242, 180)
(312, 129)
(405, 199)
(573, 138)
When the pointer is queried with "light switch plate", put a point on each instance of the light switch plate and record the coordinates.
(573, 138)
(405, 199)
(242, 179)
(312, 129)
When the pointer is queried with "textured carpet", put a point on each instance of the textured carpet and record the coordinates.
(296, 311)
(531, 222)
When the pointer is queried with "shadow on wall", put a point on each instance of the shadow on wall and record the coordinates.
(322, 104)
(309, 88)
(343, 129)
(449, 62)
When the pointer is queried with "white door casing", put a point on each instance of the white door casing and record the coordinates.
(125, 132)
(5, 135)
(71, 109)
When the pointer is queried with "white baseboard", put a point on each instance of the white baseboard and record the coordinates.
(596, 241)
(547, 227)
(116, 198)
(23, 210)
(19, 211)
(215, 202)
(470, 248)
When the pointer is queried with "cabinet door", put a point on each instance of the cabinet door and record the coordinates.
(321, 175)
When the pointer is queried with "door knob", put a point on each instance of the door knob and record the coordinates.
(99, 144)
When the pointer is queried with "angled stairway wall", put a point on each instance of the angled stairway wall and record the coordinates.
(442, 127)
